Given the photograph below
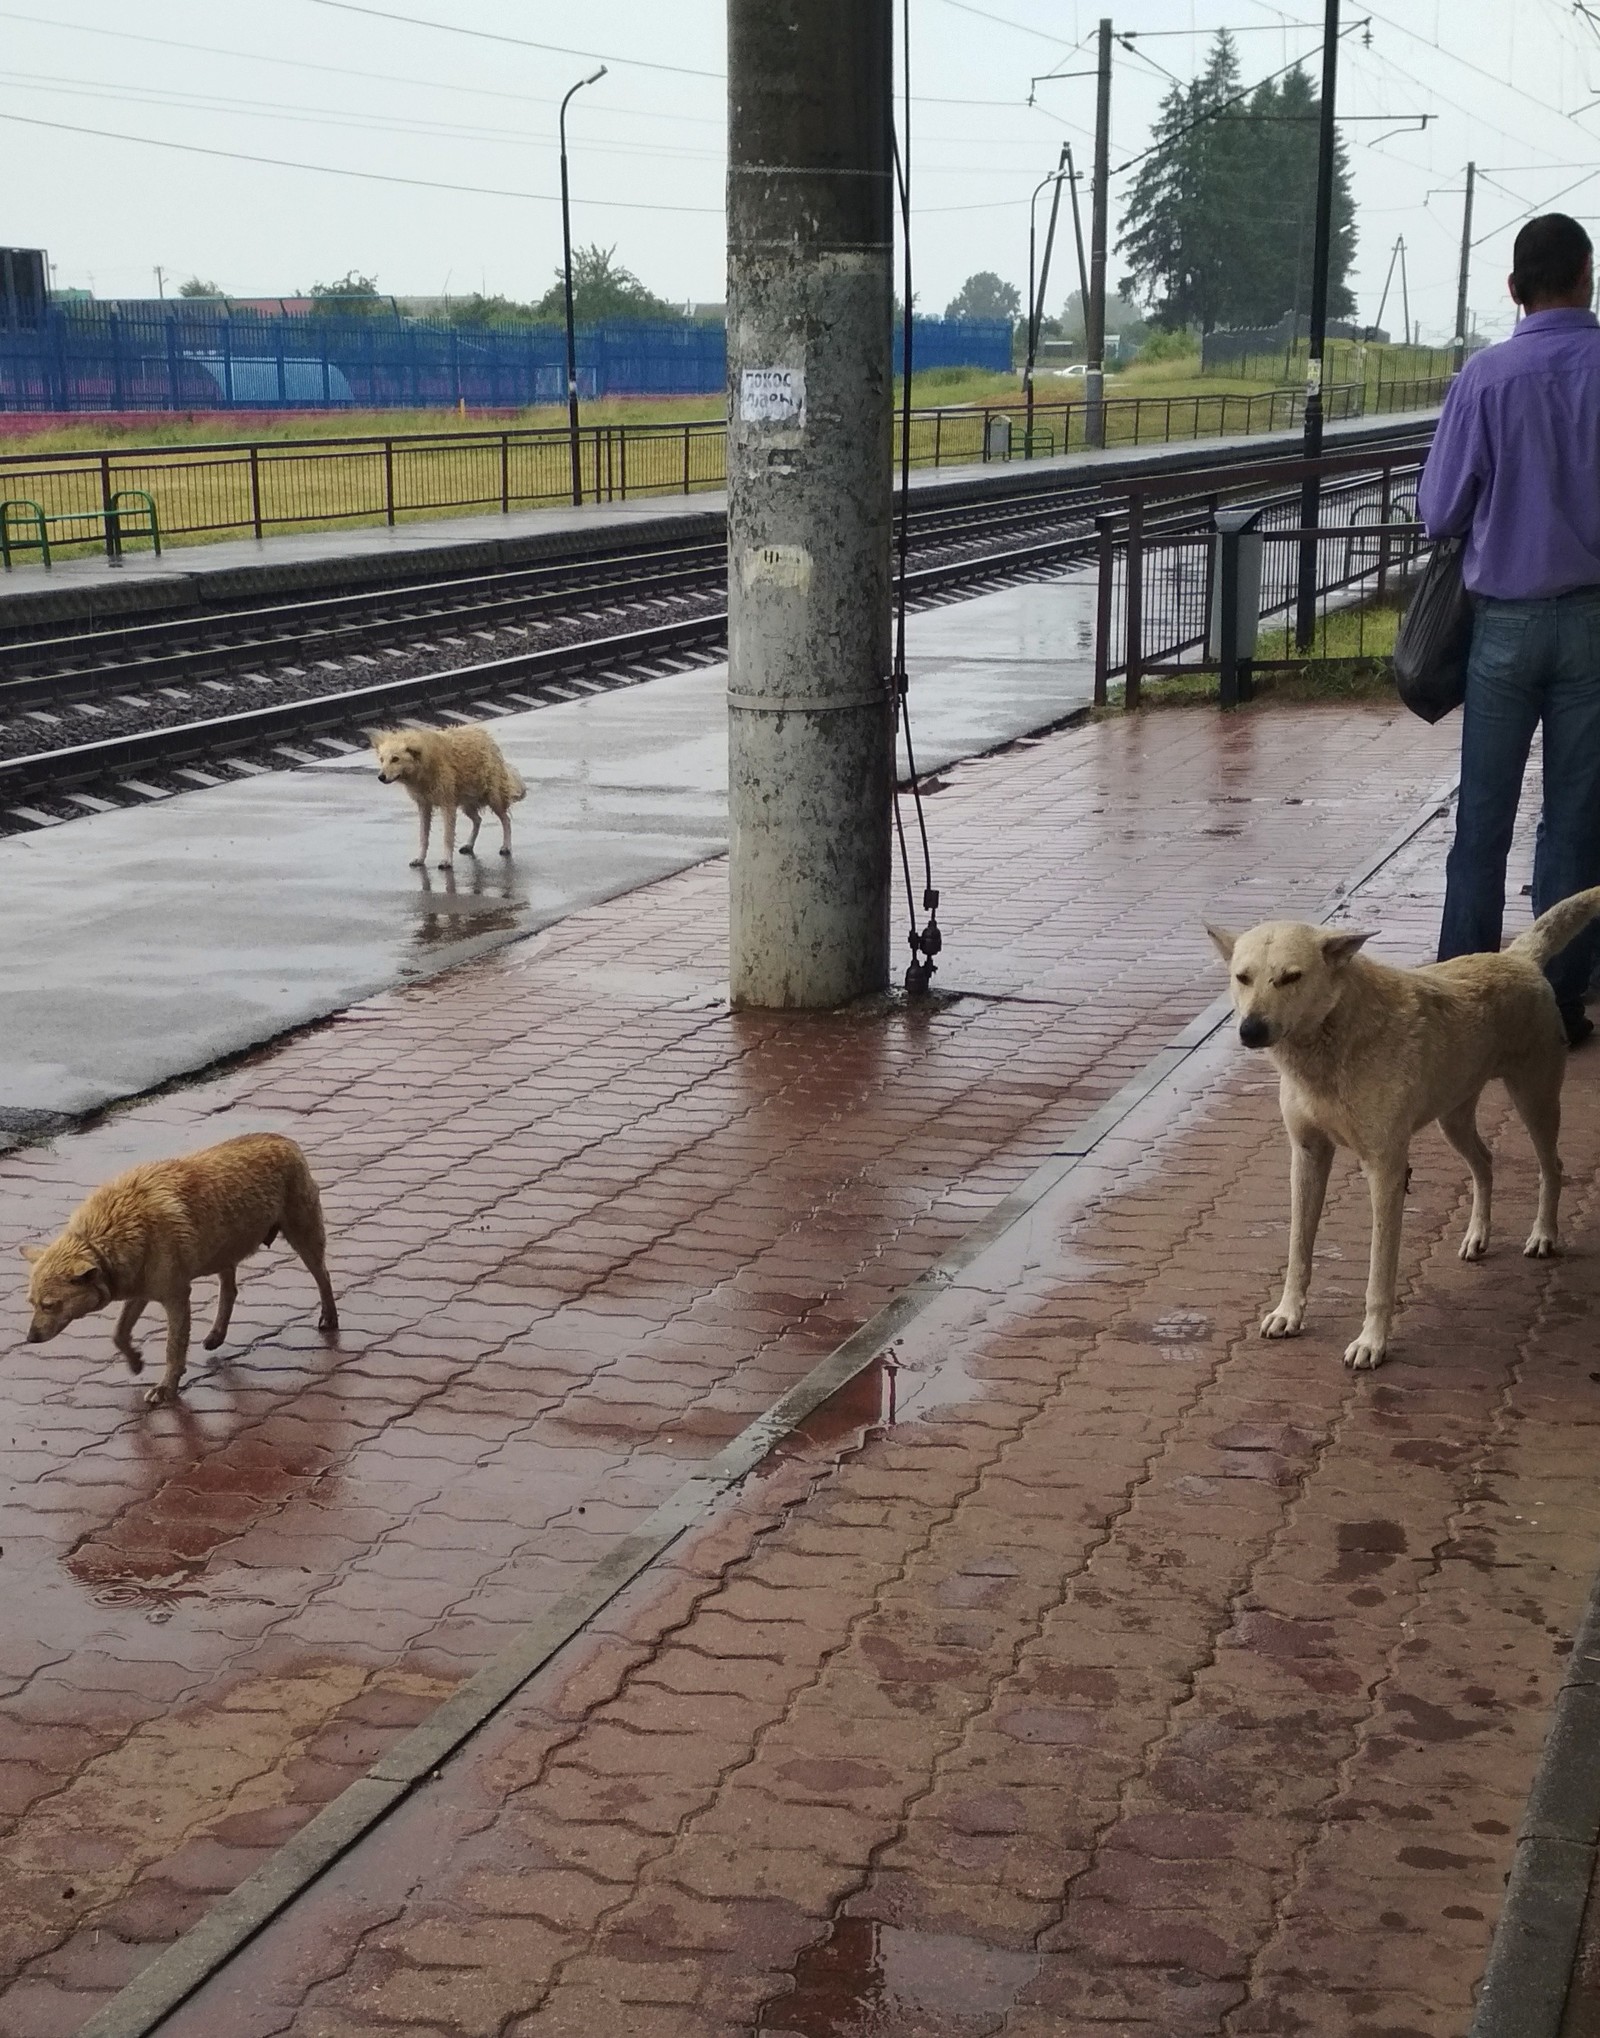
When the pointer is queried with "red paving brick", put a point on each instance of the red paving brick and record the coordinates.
(1142, 1676)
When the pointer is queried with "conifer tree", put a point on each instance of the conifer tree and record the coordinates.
(1219, 225)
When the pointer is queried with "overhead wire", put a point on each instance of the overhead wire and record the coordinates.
(366, 75)
(1022, 27)
(339, 170)
(1221, 107)
(1501, 84)
(268, 109)
(517, 41)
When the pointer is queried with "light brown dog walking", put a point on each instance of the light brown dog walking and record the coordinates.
(149, 1234)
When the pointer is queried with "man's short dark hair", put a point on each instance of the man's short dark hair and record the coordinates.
(1548, 258)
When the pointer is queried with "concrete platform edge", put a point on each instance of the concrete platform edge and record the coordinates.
(139, 2009)
(1529, 1970)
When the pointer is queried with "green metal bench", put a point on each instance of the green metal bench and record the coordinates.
(26, 525)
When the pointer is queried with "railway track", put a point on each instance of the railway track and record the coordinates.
(96, 719)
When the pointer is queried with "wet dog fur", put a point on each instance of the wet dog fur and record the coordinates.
(151, 1233)
(1367, 1055)
(450, 769)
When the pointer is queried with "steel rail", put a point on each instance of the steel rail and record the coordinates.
(109, 757)
(627, 654)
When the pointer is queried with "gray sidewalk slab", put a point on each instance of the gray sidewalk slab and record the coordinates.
(148, 942)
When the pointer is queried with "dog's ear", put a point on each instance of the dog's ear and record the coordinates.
(374, 736)
(1223, 941)
(1338, 947)
(31, 1252)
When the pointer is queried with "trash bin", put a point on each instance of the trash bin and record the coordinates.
(1235, 619)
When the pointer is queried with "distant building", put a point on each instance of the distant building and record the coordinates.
(24, 290)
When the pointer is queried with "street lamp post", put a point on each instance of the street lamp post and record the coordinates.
(566, 274)
(1036, 292)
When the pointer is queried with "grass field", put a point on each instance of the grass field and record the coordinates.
(208, 484)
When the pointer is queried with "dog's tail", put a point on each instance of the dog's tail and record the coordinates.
(514, 783)
(1552, 931)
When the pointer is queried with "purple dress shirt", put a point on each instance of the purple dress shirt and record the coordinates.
(1515, 462)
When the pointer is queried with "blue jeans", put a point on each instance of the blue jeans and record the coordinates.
(1532, 662)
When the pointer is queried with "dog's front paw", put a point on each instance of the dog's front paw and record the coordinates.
(418, 863)
(446, 863)
(328, 1322)
(505, 852)
(466, 849)
(212, 1339)
(1475, 1243)
(1366, 1353)
(159, 1395)
(1541, 1245)
(131, 1354)
(1284, 1321)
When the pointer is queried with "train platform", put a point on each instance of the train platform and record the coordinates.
(798, 1533)
(147, 942)
(243, 570)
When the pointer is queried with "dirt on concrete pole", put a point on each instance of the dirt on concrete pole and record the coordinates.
(810, 398)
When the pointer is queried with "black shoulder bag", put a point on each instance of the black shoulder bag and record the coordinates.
(1430, 651)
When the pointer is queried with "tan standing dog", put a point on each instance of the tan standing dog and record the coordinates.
(148, 1235)
(1367, 1055)
(450, 769)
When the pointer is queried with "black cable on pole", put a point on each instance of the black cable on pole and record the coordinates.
(925, 943)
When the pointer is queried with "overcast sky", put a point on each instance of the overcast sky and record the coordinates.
(1513, 83)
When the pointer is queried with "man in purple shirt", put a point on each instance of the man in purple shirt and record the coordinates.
(1515, 471)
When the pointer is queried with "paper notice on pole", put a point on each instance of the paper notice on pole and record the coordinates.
(773, 396)
(1313, 377)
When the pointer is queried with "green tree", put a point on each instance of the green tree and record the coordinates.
(1219, 227)
(350, 296)
(1176, 232)
(197, 286)
(985, 296)
(478, 310)
(602, 289)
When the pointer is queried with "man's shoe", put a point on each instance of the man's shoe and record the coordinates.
(1578, 1024)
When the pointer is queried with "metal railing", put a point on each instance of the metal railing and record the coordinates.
(228, 487)
(1159, 557)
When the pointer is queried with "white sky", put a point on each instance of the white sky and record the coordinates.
(1513, 83)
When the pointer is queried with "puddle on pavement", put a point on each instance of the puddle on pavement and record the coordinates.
(195, 1501)
(866, 1402)
(484, 898)
(868, 1980)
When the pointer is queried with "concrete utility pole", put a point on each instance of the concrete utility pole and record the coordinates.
(1305, 621)
(1466, 263)
(810, 299)
(1094, 310)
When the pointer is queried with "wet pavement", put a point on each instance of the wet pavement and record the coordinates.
(586, 1225)
(1133, 1676)
(151, 941)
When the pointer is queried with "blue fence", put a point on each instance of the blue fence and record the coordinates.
(180, 356)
